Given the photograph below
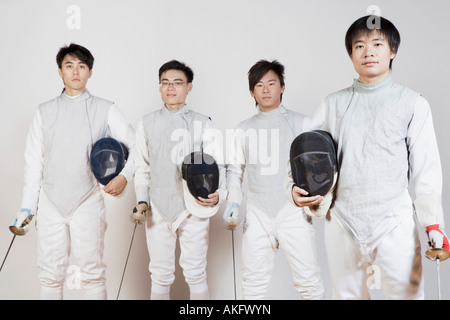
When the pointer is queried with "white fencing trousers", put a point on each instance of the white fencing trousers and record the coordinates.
(81, 233)
(391, 263)
(296, 237)
(161, 236)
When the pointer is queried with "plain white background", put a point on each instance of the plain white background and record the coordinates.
(220, 40)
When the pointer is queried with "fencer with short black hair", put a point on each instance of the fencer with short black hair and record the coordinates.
(59, 186)
(271, 221)
(385, 144)
(163, 140)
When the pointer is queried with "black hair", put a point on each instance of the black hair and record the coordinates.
(75, 50)
(177, 65)
(364, 26)
(261, 68)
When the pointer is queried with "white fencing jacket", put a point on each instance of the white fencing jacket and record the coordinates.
(163, 139)
(58, 146)
(386, 143)
(261, 147)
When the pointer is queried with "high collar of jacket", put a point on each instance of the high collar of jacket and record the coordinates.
(372, 88)
(183, 110)
(272, 113)
(85, 95)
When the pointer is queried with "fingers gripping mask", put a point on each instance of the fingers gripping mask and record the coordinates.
(200, 178)
(313, 162)
(108, 157)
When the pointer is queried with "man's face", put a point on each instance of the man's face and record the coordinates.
(371, 56)
(75, 75)
(174, 88)
(267, 92)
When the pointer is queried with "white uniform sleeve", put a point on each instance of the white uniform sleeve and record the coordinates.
(317, 119)
(288, 182)
(142, 165)
(213, 145)
(425, 166)
(34, 164)
(236, 166)
(122, 130)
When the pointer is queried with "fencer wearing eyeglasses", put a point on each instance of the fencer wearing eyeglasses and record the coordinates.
(163, 140)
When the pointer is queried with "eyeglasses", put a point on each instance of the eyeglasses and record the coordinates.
(175, 84)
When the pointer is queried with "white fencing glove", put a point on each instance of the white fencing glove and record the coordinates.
(20, 225)
(140, 212)
(437, 237)
(231, 216)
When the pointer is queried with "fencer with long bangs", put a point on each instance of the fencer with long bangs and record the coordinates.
(260, 69)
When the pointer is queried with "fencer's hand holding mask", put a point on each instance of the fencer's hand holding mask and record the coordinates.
(140, 212)
(20, 225)
(108, 157)
(314, 162)
(200, 174)
(231, 216)
(314, 168)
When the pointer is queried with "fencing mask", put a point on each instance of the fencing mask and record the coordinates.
(200, 178)
(314, 162)
(108, 157)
